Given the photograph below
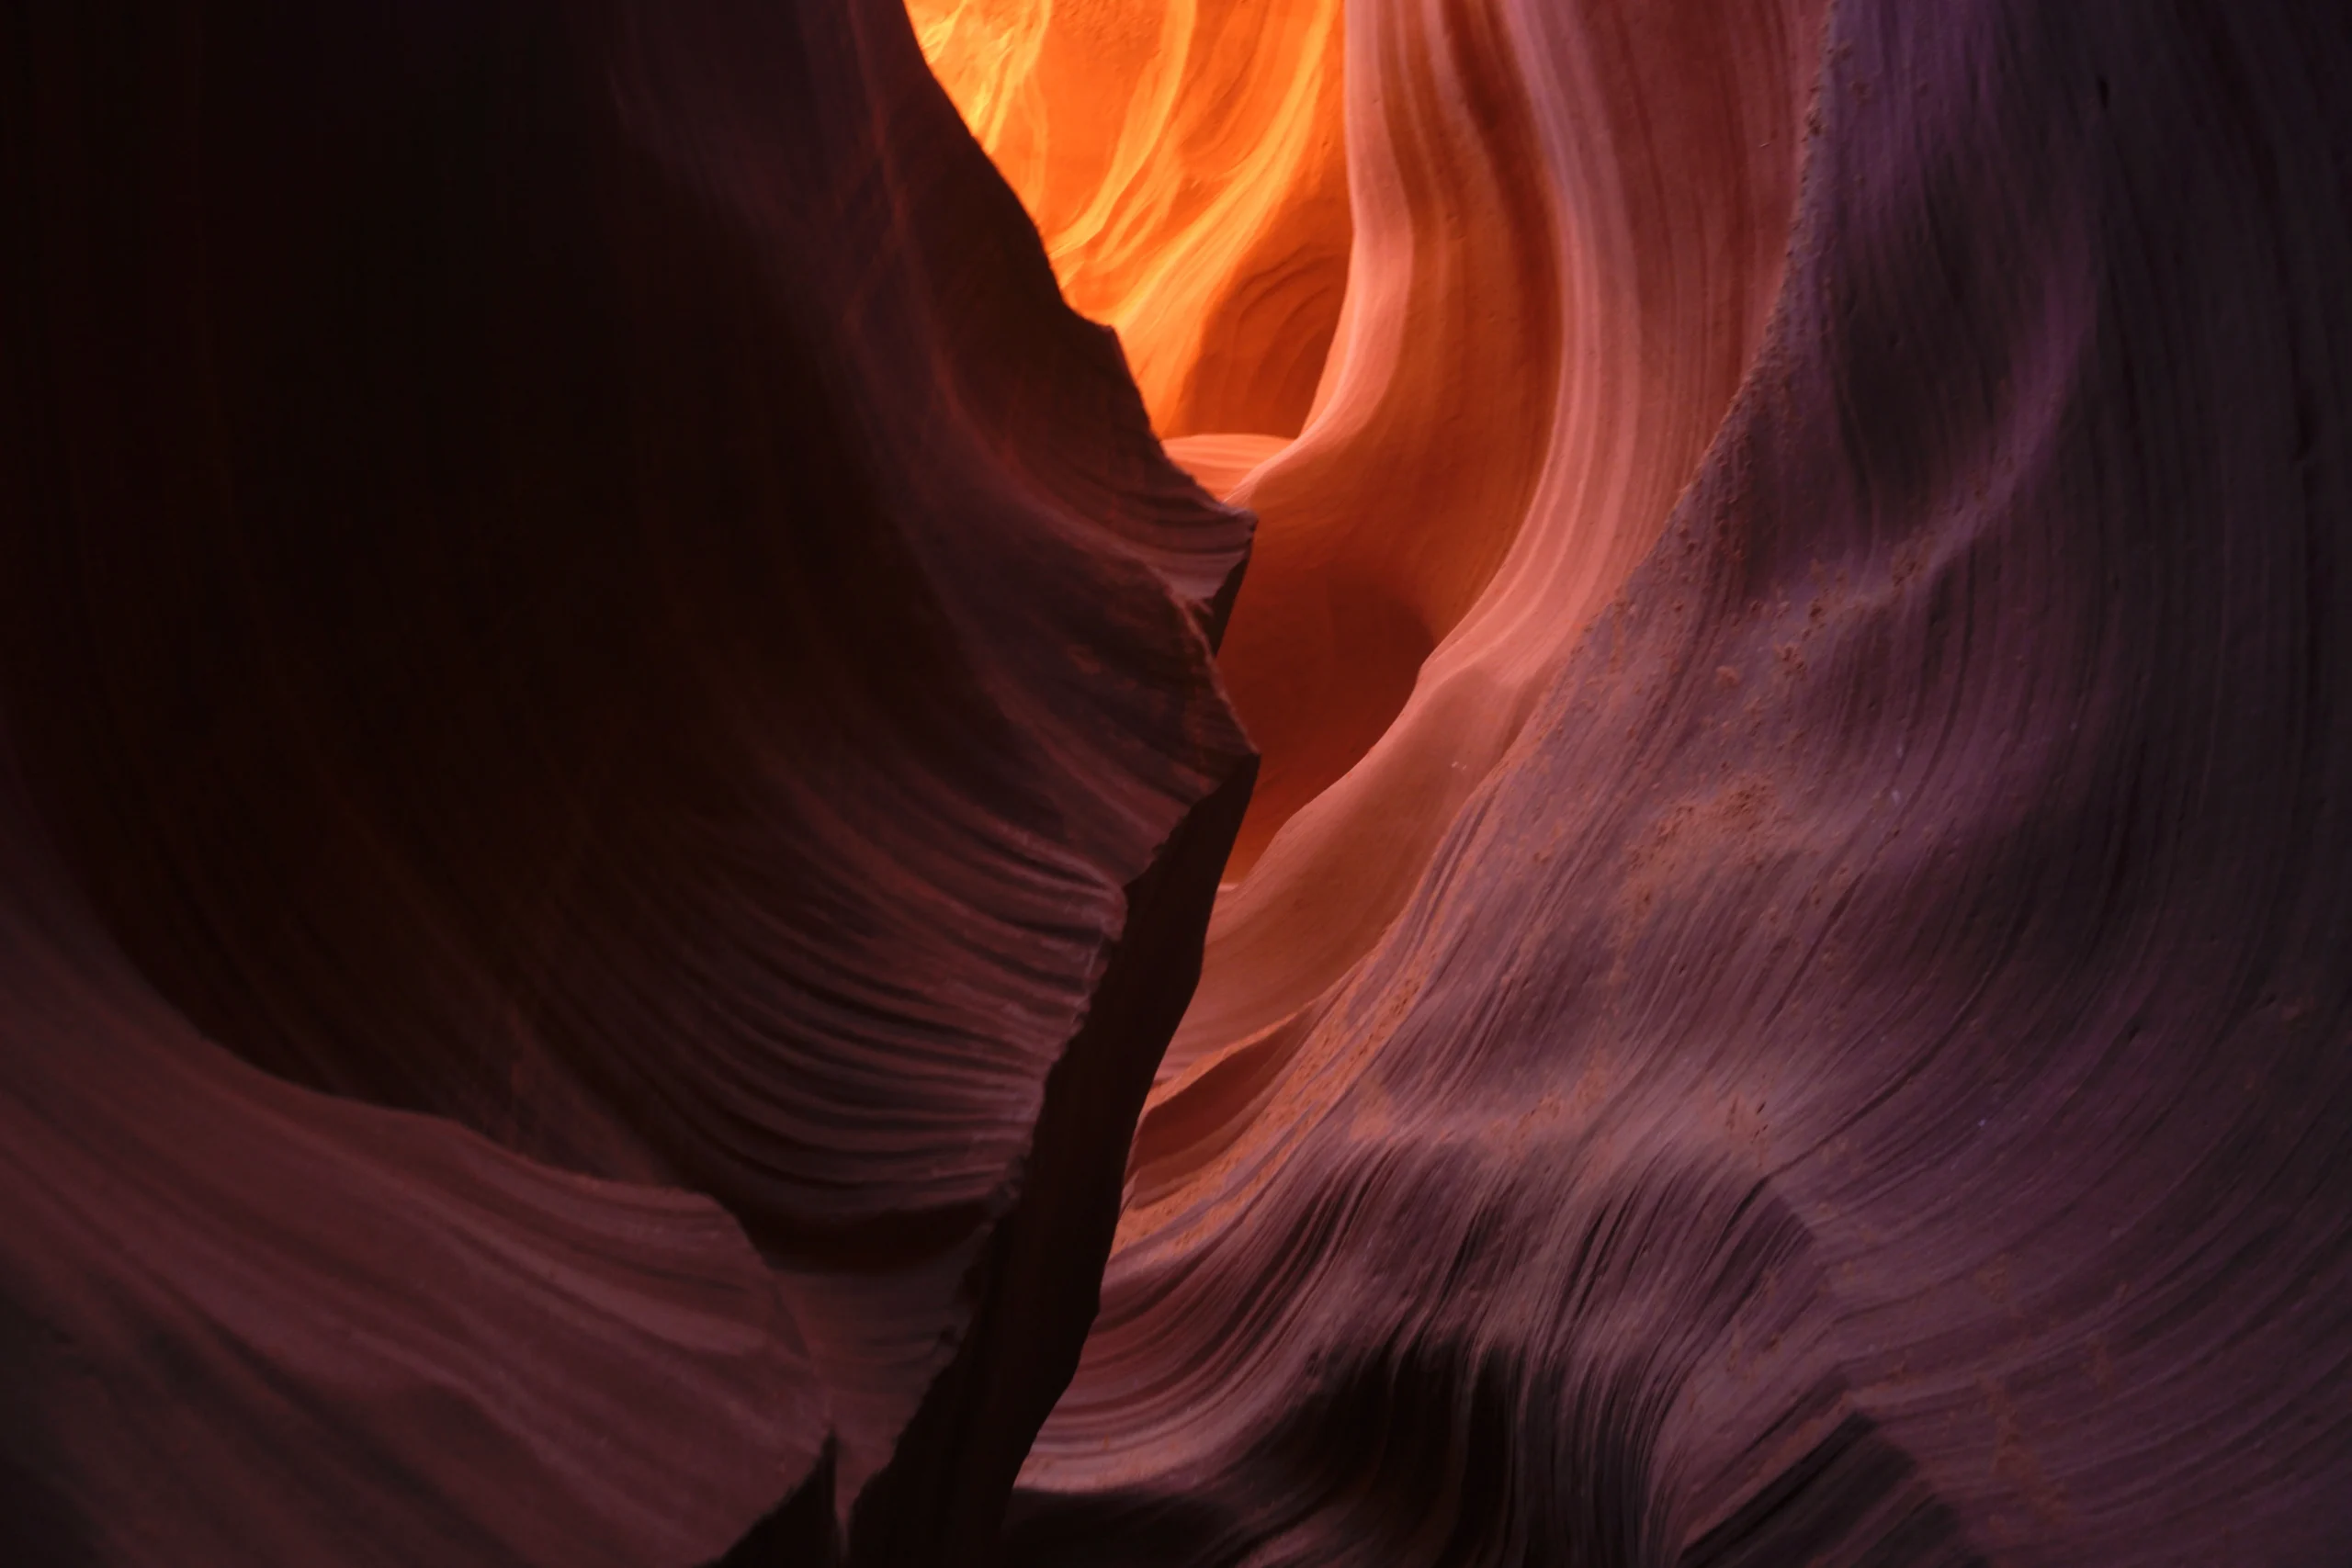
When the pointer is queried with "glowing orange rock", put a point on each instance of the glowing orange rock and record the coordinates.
(1183, 162)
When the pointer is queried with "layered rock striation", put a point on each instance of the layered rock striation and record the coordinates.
(1862, 1075)
(1186, 166)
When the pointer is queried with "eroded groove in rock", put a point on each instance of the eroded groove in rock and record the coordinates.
(1867, 1077)
(1571, 225)
(570, 575)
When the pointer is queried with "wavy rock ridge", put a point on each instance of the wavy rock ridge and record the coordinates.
(1863, 1077)
(1537, 241)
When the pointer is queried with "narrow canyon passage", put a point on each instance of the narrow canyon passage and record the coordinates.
(1564, 250)
(1175, 784)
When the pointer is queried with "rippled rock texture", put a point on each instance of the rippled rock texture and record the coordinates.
(1858, 1069)
(617, 774)
(613, 776)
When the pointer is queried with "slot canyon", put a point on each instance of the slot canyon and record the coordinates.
(1176, 784)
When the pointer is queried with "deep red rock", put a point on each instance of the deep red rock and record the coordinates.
(569, 573)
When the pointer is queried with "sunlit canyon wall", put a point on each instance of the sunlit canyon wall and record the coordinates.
(668, 894)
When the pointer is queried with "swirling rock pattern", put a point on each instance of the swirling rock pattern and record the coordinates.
(1573, 223)
(627, 702)
(614, 769)
(1865, 1079)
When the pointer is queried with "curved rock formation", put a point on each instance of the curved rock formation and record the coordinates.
(1570, 230)
(245, 1323)
(568, 576)
(1865, 1079)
